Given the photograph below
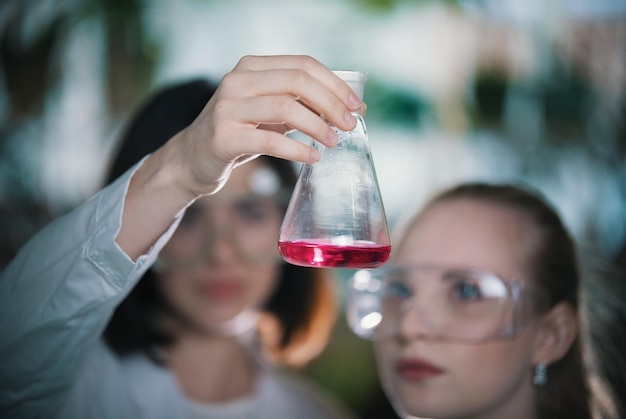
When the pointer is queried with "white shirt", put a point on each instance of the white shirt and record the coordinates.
(56, 298)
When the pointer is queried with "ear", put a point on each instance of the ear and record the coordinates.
(557, 330)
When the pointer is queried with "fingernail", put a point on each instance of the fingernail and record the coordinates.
(333, 138)
(354, 101)
(315, 155)
(349, 118)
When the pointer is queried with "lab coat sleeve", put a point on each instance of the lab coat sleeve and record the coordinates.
(57, 296)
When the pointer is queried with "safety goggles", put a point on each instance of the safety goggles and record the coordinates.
(435, 302)
(249, 225)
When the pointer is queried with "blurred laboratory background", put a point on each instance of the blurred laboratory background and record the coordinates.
(528, 91)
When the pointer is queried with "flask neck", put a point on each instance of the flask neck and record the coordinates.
(360, 122)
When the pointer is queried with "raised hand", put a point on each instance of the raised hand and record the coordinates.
(255, 103)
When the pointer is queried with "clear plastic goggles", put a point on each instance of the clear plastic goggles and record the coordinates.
(433, 302)
(249, 225)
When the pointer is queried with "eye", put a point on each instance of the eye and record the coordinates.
(397, 289)
(467, 291)
(253, 210)
(464, 286)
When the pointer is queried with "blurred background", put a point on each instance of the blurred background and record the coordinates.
(501, 90)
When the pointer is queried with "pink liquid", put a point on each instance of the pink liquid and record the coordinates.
(324, 254)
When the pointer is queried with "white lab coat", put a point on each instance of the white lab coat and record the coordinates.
(56, 298)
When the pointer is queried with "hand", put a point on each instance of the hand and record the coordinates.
(253, 106)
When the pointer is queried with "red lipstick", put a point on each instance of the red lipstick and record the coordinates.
(223, 290)
(417, 369)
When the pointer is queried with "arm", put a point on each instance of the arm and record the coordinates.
(253, 105)
(56, 297)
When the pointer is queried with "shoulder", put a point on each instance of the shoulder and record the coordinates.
(132, 386)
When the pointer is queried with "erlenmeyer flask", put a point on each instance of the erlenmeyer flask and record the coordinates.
(336, 216)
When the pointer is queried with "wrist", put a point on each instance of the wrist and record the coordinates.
(164, 173)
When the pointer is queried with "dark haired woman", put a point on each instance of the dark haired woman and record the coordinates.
(163, 296)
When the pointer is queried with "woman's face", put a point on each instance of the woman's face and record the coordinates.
(445, 379)
(223, 258)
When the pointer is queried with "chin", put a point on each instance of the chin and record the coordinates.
(414, 400)
(233, 323)
(415, 411)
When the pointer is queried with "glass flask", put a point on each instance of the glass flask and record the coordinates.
(336, 216)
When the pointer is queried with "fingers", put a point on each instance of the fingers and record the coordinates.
(267, 110)
(245, 142)
(272, 93)
(296, 76)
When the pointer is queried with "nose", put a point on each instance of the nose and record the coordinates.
(220, 244)
(413, 322)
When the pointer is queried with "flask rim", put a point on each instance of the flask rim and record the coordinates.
(355, 79)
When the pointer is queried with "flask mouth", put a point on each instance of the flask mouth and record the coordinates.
(355, 79)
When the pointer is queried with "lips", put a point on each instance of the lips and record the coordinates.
(222, 290)
(417, 369)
